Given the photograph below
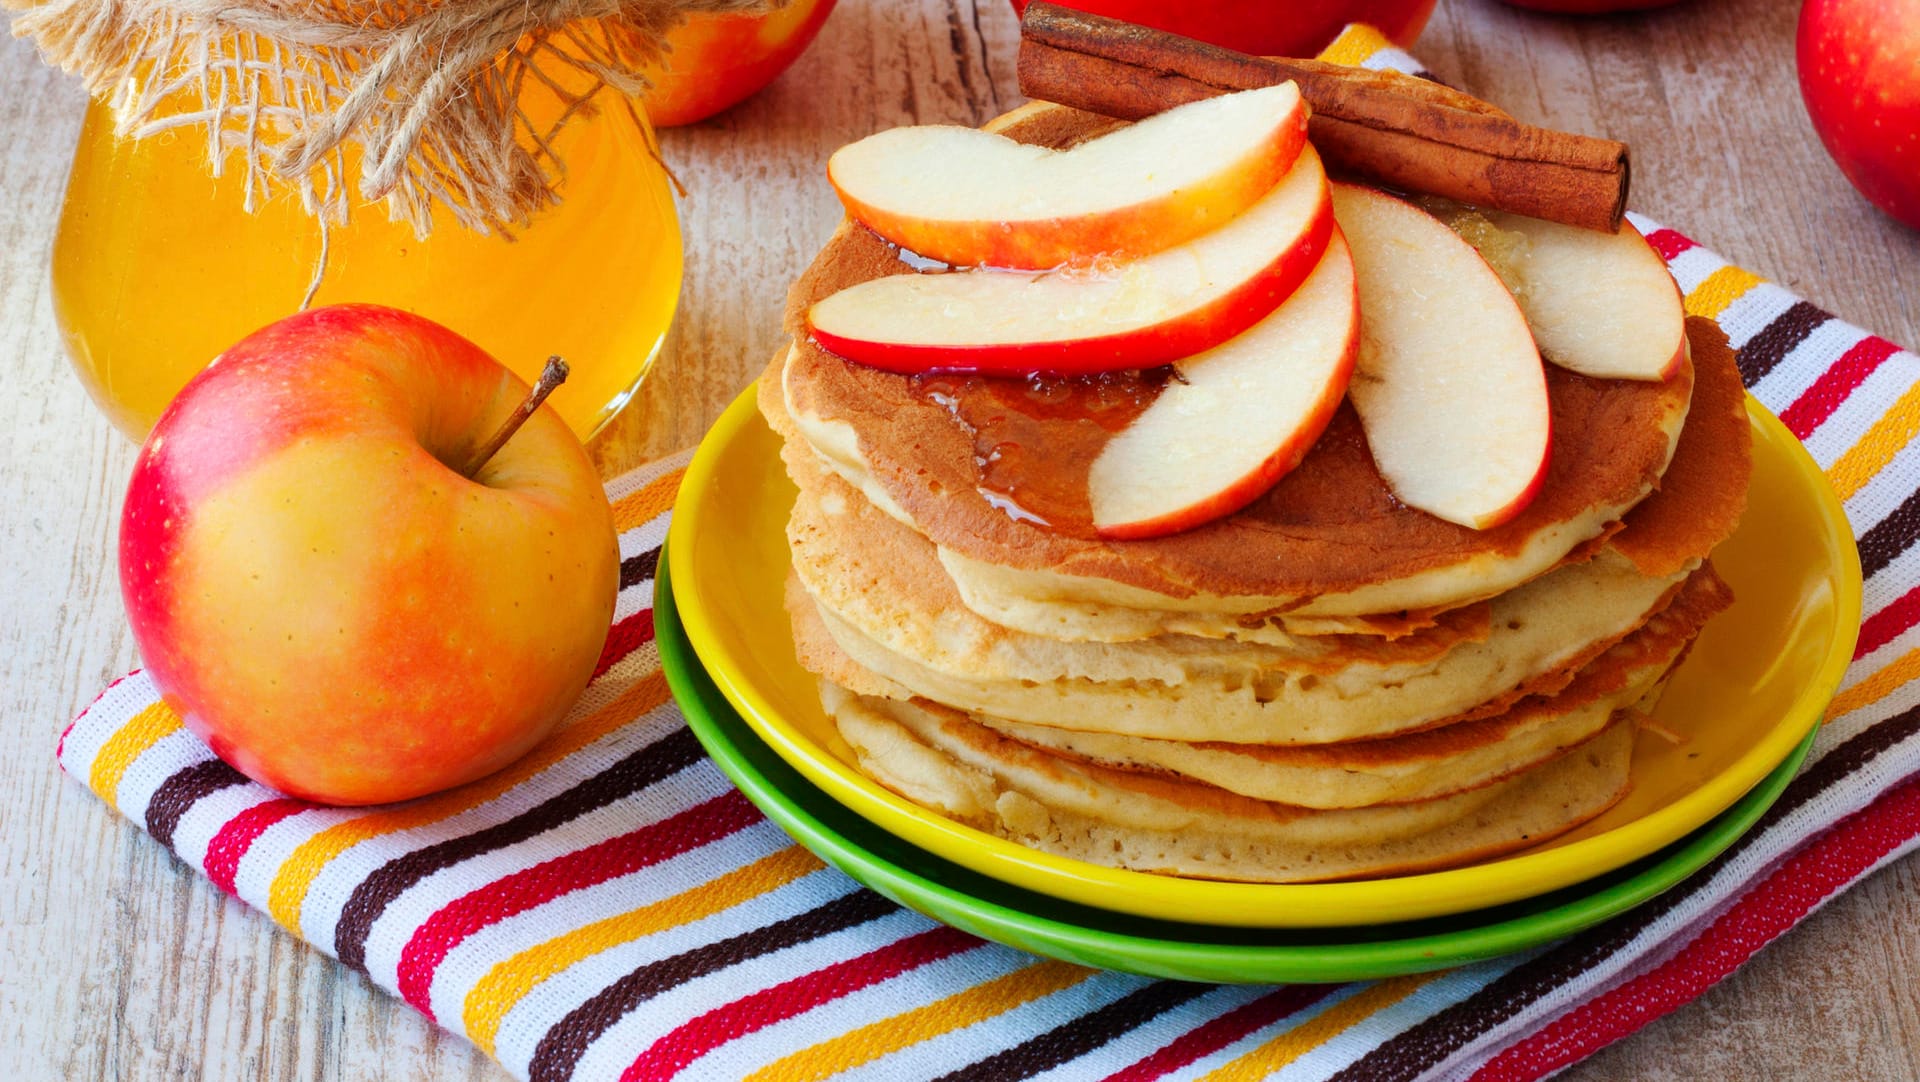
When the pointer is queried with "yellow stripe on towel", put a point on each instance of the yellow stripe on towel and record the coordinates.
(888, 1035)
(1291, 1044)
(142, 731)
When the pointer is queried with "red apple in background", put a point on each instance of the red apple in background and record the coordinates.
(718, 61)
(334, 608)
(1265, 27)
(1859, 64)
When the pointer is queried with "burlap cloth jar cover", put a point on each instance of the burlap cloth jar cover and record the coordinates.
(424, 90)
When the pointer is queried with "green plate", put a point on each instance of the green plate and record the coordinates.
(1034, 922)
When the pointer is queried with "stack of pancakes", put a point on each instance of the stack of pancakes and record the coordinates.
(1326, 684)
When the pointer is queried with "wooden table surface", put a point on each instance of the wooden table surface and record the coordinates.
(115, 962)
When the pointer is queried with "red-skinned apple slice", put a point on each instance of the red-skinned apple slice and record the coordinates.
(1241, 415)
(1600, 304)
(1448, 384)
(974, 198)
(1140, 314)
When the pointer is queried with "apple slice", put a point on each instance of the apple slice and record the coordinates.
(1241, 415)
(1600, 304)
(1448, 384)
(1160, 308)
(973, 198)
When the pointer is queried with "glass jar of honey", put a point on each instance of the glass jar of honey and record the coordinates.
(157, 267)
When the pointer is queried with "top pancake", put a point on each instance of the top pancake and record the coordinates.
(1697, 505)
(1331, 527)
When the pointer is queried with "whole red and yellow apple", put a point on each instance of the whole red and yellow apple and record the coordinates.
(339, 612)
(715, 62)
(1265, 27)
(1859, 64)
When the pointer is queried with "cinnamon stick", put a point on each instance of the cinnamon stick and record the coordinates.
(1394, 129)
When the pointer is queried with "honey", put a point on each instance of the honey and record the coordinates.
(157, 267)
(1035, 439)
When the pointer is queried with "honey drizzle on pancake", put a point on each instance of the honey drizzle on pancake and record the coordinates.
(1035, 439)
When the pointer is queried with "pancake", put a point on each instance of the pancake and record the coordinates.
(940, 759)
(1281, 708)
(1419, 766)
(1300, 551)
(1669, 530)
(1328, 540)
(868, 569)
(1687, 515)
(810, 470)
(815, 650)
(866, 586)
(1704, 491)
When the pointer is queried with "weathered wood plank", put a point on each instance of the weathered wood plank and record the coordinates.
(117, 963)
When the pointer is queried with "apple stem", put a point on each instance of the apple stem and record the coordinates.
(552, 376)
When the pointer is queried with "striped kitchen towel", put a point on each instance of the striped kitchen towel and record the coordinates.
(611, 908)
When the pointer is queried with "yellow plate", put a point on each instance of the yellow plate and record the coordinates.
(1753, 687)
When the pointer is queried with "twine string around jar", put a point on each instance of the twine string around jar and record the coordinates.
(427, 90)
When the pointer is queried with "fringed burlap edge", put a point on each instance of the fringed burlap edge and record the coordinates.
(427, 90)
